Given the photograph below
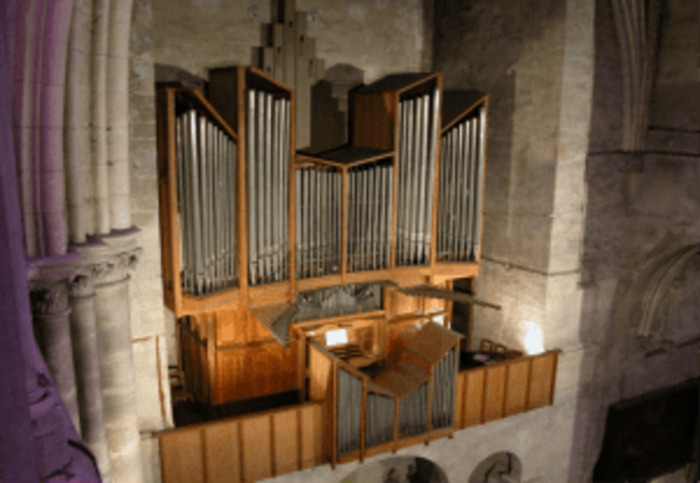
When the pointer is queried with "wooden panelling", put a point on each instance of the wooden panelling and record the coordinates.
(459, 400)
(320, 367)
(285, 427)
(542, 380)
(506, 388)
(247, 448)
(311, 430)
(222, 453)
(518, 382)
(239, 327)
(494, 392)
(255, 370)
(399, 333)
(374, 118)
(169, 220)
(257, 448)
(194, 362)
(181, 457)
(474, 397)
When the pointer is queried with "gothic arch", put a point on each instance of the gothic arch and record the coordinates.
(501, 467)
(652, 323)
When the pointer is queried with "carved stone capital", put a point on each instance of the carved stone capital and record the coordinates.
(110, 259)
(49, 298)
(49, 285)
(82, 285)
(114, 267)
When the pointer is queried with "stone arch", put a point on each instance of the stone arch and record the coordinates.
(664, 289)
(500, 467)
(397, 469)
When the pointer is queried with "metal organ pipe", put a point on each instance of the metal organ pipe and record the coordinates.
(432, 152)
(479, 182)
(318, 216)
(418, 125)
(252, 196)
(268, 187)
(369, 219)
(461, 203)
(206, 185)
(461, 188)
(420, 168)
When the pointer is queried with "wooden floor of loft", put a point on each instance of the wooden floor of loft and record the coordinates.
(187, 412)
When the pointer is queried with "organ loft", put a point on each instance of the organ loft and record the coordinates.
(362, 241)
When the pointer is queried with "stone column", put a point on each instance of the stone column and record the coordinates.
(83, 328)
(51, 320)
(110, 261)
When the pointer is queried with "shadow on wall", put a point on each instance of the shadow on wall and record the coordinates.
(172, 74)
(331, 107)
(398, 469)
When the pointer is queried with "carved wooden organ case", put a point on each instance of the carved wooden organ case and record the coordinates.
(267, 250)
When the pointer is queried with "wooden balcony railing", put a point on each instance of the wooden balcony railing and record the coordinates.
(506, 388)
(271, 443)
(246, 448)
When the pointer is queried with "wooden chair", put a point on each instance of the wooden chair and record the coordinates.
(498, 347)
(178, 386)
(487, 345)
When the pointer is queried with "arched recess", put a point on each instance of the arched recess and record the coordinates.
(501, 467)
(664, 296)
(397, 469)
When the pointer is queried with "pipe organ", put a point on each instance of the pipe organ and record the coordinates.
(248, 223)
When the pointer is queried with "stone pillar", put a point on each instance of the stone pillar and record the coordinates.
(110, 261)
(87, 370)
(51, 320)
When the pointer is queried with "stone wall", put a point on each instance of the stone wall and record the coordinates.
(536, 60)
(150, 344)
(536, 63)
(378, 37)
(642, 207)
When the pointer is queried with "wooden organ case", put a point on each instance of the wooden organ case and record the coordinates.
(268, 252)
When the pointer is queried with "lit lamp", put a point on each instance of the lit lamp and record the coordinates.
(533, 340)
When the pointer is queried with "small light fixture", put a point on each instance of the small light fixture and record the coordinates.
(439, 319)
(533, 339)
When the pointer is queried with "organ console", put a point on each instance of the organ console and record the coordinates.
(254, 233)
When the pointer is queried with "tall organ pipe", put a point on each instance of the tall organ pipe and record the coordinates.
(52, 104)
(118, 105)
(481, 154)
(252, 188)
(432, 152)
(258, 166)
